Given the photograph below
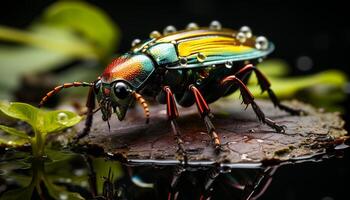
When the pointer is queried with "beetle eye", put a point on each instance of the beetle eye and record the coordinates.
(121, 90)
(97, 86)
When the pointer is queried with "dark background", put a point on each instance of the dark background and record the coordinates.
(317, 30)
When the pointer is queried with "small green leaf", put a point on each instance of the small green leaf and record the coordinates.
(14, 131)
(59, 120)
(21, 111)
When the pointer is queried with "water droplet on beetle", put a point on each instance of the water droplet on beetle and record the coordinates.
(246, 31)
(192, 26)
(201, 57)
(183, 61)
(261, 43)
(135, 42)
(228, 64)
(154, 34)
(215, 25)
(169, 29)
(62, 118)
(241, 37)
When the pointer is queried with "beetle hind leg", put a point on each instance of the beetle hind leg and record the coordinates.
(205, 113)
(249, 99)
(172, 114)
(265, 85)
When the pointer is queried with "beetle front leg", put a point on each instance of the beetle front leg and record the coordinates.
(205, 113)
(265, 85)
(90, 104)
(172, 115)
(249, 99)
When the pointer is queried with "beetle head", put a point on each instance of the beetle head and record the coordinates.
(113, 97)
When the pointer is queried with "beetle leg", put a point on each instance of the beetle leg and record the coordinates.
(144, 105)
(172, 115)
(265, 85)
(208, 186)
(90, 104)
(249, 99)
(205, 113)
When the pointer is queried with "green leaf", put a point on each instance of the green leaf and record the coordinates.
(23, 112)
(59, 120)
(274, 67)
(14, 131)
(87, 20)
(43, 121)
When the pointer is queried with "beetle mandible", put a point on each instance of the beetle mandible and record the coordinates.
(197, 65)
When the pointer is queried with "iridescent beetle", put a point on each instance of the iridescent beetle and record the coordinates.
(193, 66)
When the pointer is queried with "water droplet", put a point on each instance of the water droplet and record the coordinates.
(241, 37)
(245, 157)
(261, 43)
(84, 184)
(215, 25)
(246, 31)
(68, 180)
(110, 154)
(169, 29)
(228, 64)
(79, 172)
(135, 42)
(154, 34)
(201, 57)
(199, 81)
(304, 63)
(62, 118)
(192, 26)
(183, 61)
(63, 196)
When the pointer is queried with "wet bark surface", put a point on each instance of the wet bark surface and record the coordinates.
(246, 141)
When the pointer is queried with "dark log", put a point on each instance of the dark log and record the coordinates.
(246, 142)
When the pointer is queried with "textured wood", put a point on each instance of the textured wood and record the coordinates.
(246, 142)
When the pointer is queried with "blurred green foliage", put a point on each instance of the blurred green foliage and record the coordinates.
(324, 89)
(65, 32)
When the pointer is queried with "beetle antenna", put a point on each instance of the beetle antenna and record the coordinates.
(59, 88)
(143, 103)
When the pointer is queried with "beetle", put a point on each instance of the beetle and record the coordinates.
(198, 65)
